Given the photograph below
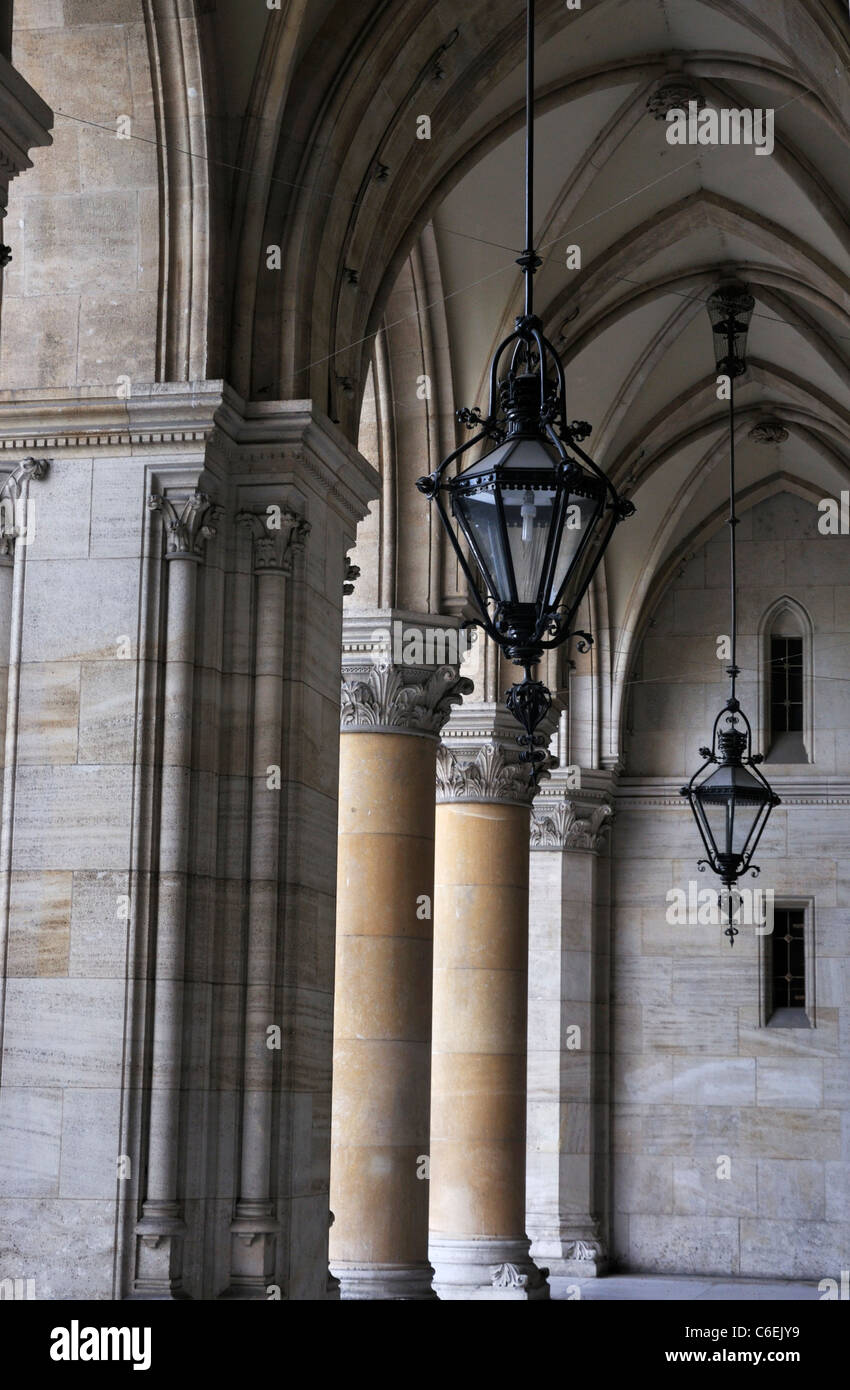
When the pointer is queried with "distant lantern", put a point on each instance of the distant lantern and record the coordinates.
(731, 804)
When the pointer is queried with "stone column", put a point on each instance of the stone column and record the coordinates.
(478, 1245)
(568, 1024)
(255, 1225)
(158, 1274)
(17, 530)
(395, 700)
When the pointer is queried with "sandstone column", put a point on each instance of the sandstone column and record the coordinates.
(395, 700)
(568, 1018)
(158, 1275)
(478, 1244)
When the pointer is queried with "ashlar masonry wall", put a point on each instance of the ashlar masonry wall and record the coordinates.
(731, 1136)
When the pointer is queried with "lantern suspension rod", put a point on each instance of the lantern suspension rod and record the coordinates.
(529, 156)
(732, 670)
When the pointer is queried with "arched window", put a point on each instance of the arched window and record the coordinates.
(785, 660)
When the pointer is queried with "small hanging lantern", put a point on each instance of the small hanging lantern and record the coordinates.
(732, 803)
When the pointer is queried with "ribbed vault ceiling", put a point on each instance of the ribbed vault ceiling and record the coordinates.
(657, 225)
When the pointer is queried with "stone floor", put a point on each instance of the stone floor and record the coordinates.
(670, 1288)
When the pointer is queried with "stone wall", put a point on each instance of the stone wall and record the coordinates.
(696, 1073)
(80, 297)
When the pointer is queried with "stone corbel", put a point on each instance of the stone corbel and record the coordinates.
(275, 545)
(188, 523)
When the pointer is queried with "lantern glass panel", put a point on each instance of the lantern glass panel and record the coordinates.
(731, 802)
(508, 518)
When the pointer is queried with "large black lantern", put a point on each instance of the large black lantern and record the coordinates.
(535, 512)
(731, 803)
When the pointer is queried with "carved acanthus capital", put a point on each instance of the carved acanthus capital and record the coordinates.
(569, 825)
(189, 522)
(277, 533)
(394, 698)
(483, 773)
(15, 514)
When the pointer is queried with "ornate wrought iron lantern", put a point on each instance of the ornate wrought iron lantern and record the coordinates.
(732, 803)
(535, 512)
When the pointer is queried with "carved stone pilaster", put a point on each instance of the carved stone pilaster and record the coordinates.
(189, 522)
(15, 507)
(278, 534)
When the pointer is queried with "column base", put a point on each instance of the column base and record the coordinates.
(383, 1281)
(486, 1269)
(252, 1260)
(158, 1274)
(569, 1257)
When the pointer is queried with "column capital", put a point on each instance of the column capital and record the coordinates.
(389, 700)
(401, 672)
(15, 521)
(486, 772)
(277, 533)
(481, 758)
(567, 824)
(188, 522)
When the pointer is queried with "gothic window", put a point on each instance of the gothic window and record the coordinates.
(787, 970)
(787, 683)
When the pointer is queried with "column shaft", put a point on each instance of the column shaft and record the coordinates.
(254, 1225)
(382, 1018)
(478, 1244)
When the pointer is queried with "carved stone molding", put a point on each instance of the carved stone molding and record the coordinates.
(569, 825)
(508, 1276)
(352, 573)
(276, 537)
(12, 523)
(486, 773)
(769, 432)
(188, 523)
(400, 700)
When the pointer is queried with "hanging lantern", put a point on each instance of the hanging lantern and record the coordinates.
(730, 309)
(731, 804)
(535, 512)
